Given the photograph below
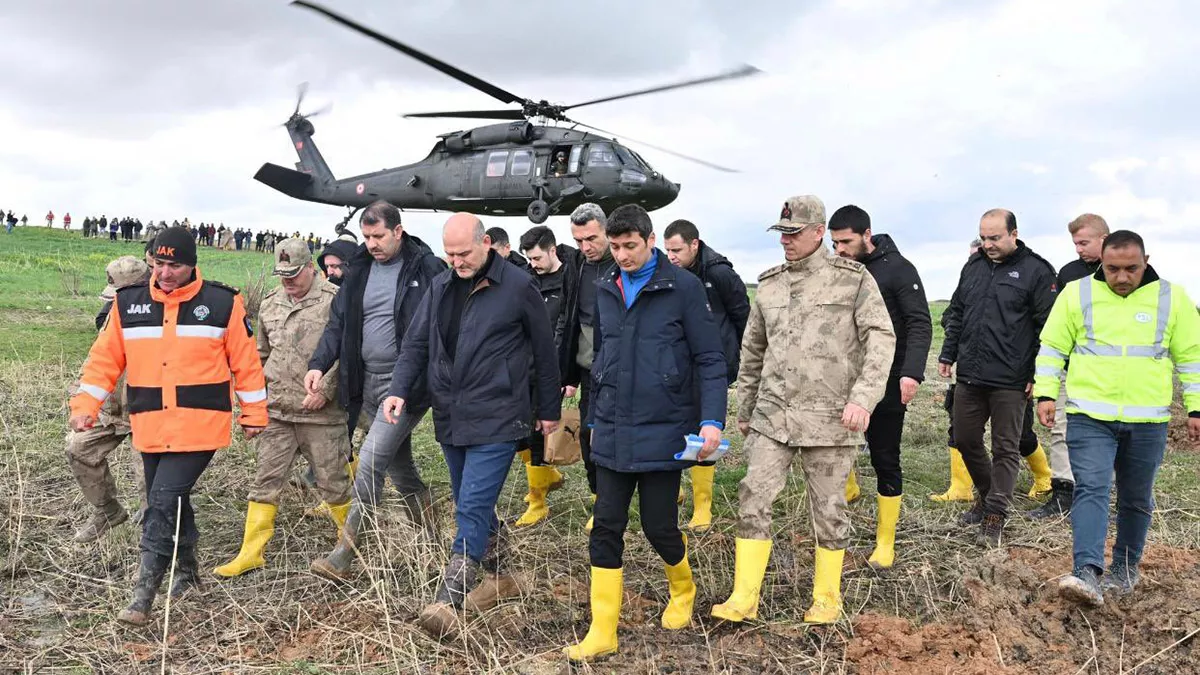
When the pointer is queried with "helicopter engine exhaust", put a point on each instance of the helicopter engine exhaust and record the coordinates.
(494, 134)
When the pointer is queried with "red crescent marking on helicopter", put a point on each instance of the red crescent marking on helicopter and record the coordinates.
(359, 188)
(299, 145)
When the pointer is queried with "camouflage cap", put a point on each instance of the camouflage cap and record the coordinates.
(124, 271)
(291, 256)
(798, 213)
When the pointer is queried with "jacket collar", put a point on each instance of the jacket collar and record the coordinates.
(812, 263)
(179, 295)
(1148, 278)
(664, 276)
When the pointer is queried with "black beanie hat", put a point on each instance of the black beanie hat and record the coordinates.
(175, 244)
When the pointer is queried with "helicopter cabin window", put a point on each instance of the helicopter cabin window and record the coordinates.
(522, 163)
(601, 154)
(573, 163)
(496, 163)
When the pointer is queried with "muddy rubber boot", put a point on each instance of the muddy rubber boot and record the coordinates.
(440, 618)
(1083, 586)
(336, 565)
(750, 567)
(260, 527)
(827, 587)
(1039, 464)
(539, 478)
(1061, 499)
(606, 595)
(187, 573)
(419, 508)
(151, 571)
(338, 513)
(991, 530)
(678, 613)
(885, 532)
(961, 486)
(103, 519)
(702, 493)
(852, 490)
(497, 584)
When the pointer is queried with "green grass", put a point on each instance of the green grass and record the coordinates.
(283, 619)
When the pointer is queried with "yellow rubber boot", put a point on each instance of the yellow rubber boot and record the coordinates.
(539, 478)
(260, 525)
(1040, 466)
(338, 513)
(827, 587)
(852, 491)
(702, 492)
(962, 488)
(750, 567)
(678, 613)
(601, 638)
(591, 519)
(885, 532)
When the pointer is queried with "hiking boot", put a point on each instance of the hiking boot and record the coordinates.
(440, 618)
(150, 575)
(1059, 504)
(1083, 586)
(990, 530)
(973, 515)
(187, 573)
(103, 519)
(1119, 579)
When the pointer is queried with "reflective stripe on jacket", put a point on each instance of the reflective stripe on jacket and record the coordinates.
(184, 354)
(1121, 350)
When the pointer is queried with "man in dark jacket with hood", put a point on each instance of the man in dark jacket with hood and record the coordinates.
(904, 295)
(384, 283)
(1003, 298)
(336, 257)
(730, 306)
(659, 375)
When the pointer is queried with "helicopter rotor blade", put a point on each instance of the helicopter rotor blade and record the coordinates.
(462, 76)
(320, 111)
(741, 71)
(301, 91)
(475, 114)
(680, 155)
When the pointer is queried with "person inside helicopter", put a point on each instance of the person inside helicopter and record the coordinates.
(559, 166)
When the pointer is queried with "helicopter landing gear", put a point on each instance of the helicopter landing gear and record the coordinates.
(538, 211)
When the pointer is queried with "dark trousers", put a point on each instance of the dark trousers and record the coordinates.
(883, 440)
(585, 436)
(170, 477)
(1029, 439)
(994, 477)
(657, 491)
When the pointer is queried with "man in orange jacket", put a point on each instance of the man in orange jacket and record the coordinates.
(185, 345)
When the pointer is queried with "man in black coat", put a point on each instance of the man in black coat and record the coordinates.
(730, 306)
(482, 338)
(996, 314)
(659, 375)
(502, 245)
(384, 284)
(904, 295)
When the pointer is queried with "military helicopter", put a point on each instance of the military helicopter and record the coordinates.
(501, 169)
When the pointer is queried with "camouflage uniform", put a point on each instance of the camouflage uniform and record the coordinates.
(87, 451)
(288, 335)
(819, 337)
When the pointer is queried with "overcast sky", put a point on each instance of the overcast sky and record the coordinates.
(925, 113)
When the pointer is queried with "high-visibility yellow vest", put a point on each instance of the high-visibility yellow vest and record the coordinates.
(1121, 350)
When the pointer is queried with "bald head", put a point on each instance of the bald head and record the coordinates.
(466, 244)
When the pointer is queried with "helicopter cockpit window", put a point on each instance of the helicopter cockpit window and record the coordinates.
(496, 163)
(627, 157)
(601, 154)
(522, 163)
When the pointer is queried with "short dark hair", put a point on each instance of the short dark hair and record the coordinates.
(629, 218)
(852, 218)
(498, 235)
(538, 236)
(1124, 239)
(381, 212)
(685, 229)
(1010, 218)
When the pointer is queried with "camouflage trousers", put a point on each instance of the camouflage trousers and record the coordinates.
(825, 472)
(87, 456)
(326, 448)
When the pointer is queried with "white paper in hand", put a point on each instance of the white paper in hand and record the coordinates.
(692, 452)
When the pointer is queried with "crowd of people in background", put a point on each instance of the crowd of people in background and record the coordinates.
(205, 234)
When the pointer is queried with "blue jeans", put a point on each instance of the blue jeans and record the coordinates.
(1097, 449)
(477, 474)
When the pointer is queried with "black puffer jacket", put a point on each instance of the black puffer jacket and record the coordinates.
(904, 295)
(729, 302)
(995, 317)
